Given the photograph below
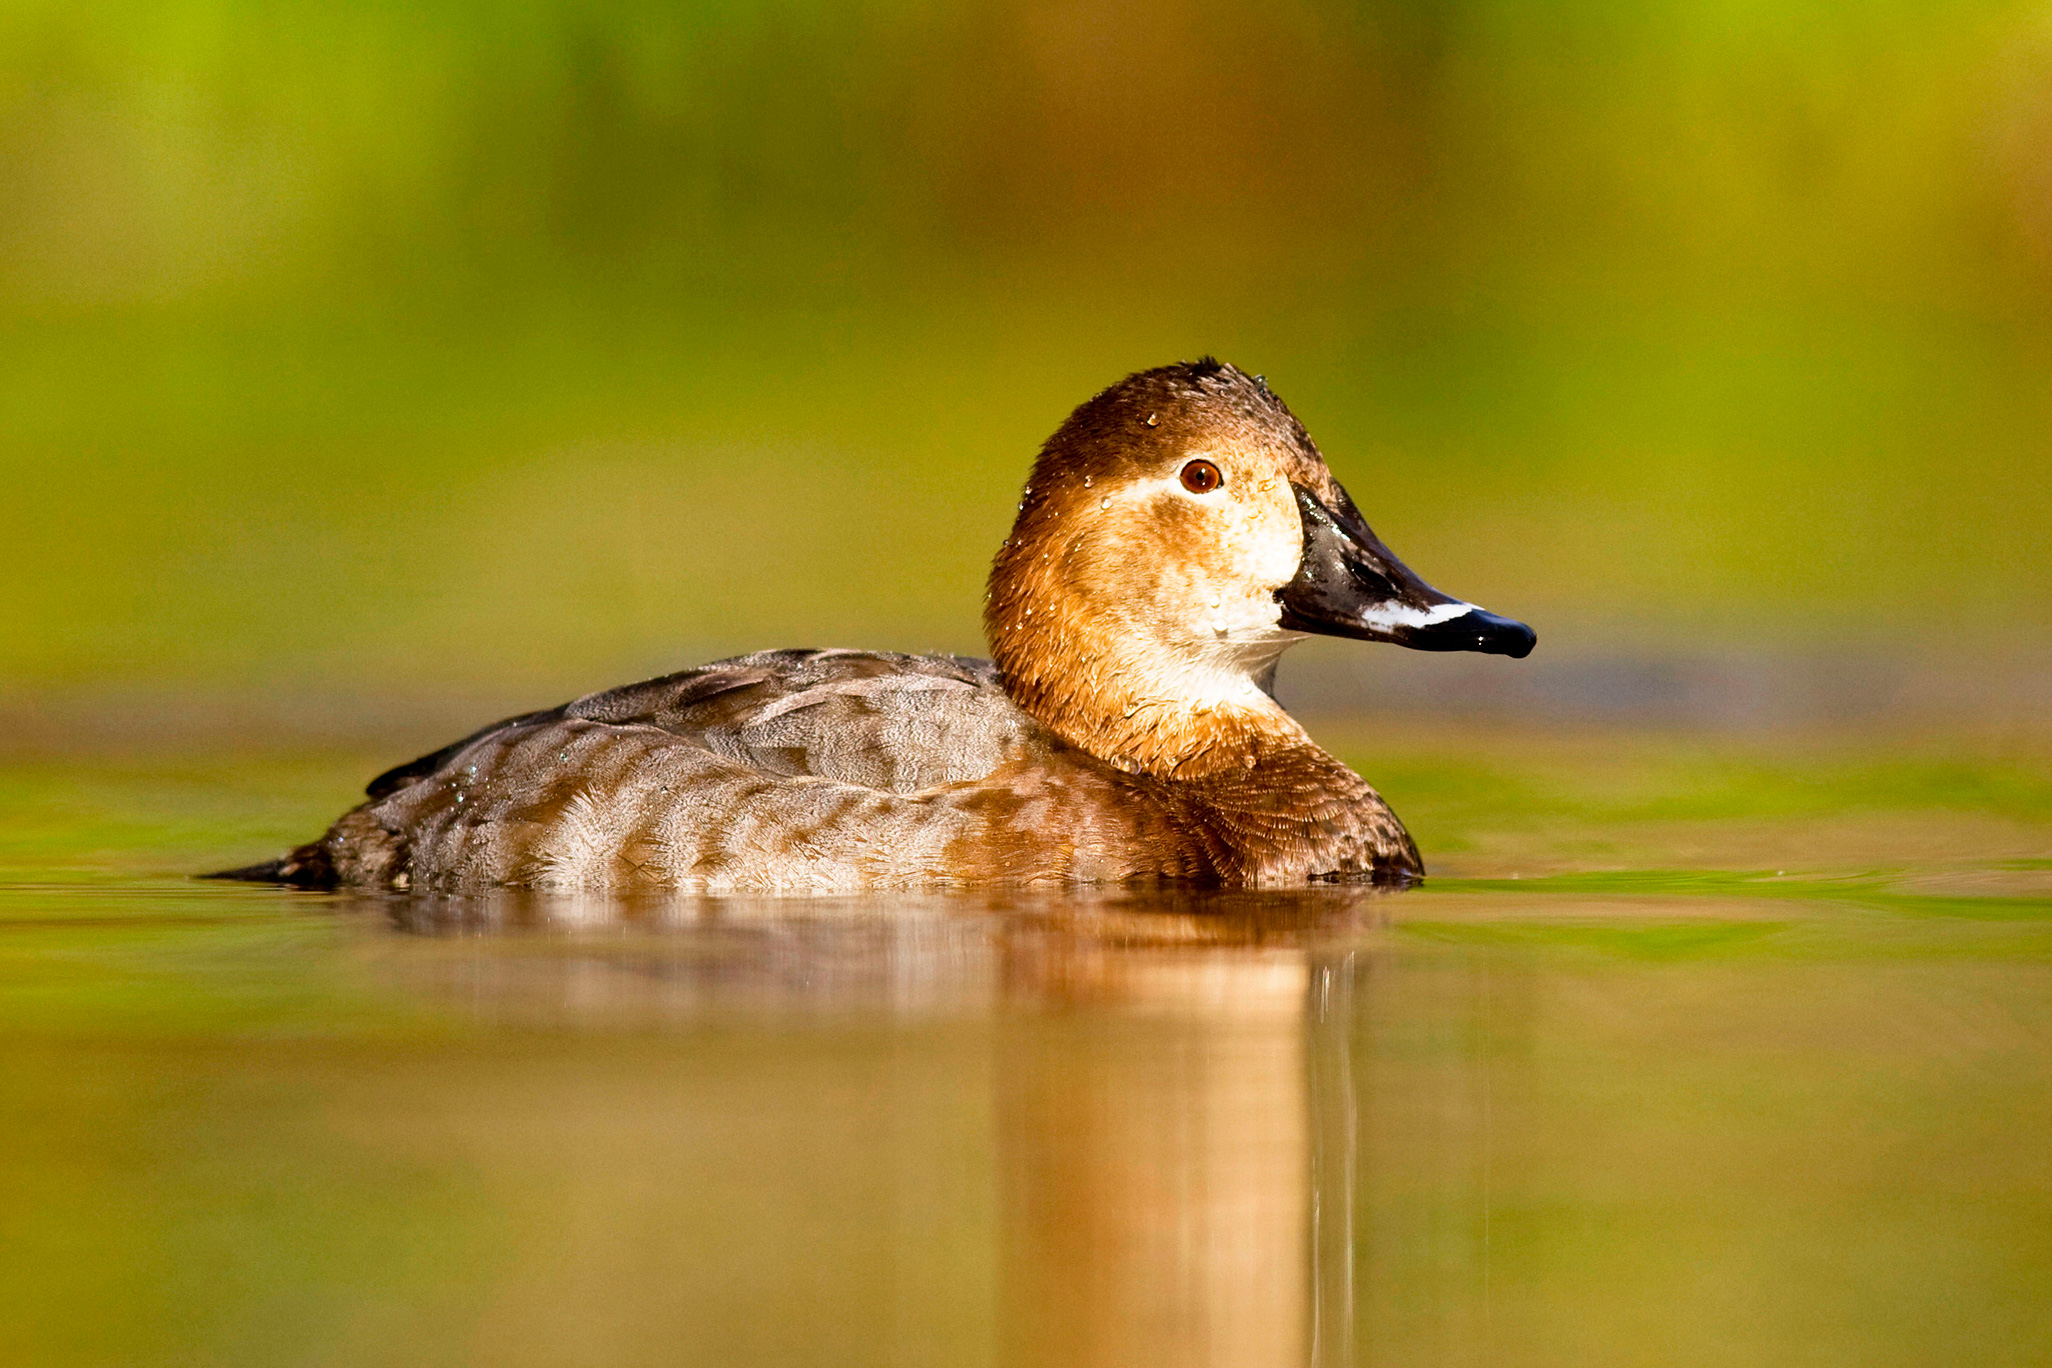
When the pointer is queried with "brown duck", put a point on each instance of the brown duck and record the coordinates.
(1179, 533)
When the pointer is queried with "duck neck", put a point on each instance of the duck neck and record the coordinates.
(1099, 686)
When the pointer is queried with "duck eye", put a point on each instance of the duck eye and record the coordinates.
(1201, 477)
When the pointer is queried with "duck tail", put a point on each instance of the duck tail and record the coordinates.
(306, 867)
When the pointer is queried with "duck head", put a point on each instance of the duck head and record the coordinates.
(1180, 532)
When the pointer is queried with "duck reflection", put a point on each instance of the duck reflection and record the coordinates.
(1171, 1115)
(1158, 1163)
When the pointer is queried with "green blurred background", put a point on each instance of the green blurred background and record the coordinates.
(368, 370)
(453, 349)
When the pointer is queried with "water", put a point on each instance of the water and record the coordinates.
(1689, 1054)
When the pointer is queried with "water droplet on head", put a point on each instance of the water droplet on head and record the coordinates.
(1104, 502)
(1086, 482)
(1150, 420)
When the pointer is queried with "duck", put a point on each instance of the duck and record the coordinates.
(1177, 534)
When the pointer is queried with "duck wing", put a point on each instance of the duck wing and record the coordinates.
(894, 723)
(784, 769)
(880, 720)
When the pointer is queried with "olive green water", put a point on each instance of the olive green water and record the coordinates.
(1693, 1053)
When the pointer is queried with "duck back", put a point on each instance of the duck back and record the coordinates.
(896, 723)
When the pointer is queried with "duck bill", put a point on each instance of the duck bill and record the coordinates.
(1351, 585)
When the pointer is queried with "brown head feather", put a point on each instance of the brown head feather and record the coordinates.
(1134, 619)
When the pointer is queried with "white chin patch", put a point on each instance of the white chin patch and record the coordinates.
(1403, 615)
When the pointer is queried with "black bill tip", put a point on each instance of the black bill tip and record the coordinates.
(1473, 630)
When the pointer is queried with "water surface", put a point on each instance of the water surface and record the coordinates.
(1689, 1054)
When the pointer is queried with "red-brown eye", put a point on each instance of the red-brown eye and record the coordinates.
(1201, 477)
